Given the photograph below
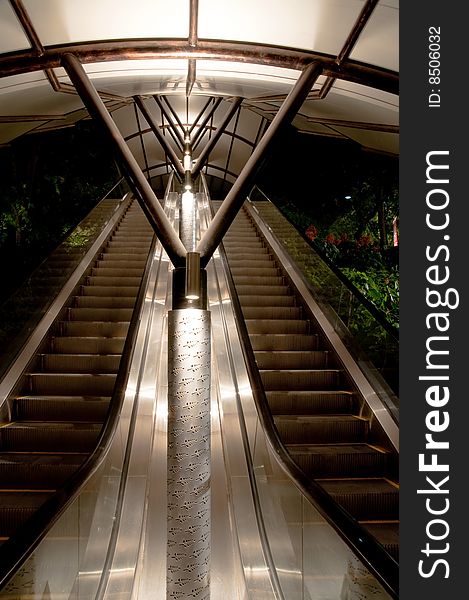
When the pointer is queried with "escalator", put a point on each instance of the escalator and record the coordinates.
(80, 360)
(316, 408)
(58, 408)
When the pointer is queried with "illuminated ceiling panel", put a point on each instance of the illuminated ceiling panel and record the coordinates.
(12, 36)
(319, 25)
(65, 21)
(378, 45)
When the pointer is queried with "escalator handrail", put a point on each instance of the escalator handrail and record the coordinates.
(17, 549)
(374, 555)
(390, 329)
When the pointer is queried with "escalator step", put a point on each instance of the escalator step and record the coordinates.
(30, 436)
(264, 300)
(104, 302)
(272, 312)
(264, 290)
(109, 291)
(320, 429)
(94, 328)
(122, 260)
(283, 341)
(292, 326)
(109, 271)
(258, 281)
(387, 534)
(37, 471)
(65, 384)
(15, 509)
(256, 272)
(307, 379)
(296, 359)
(80, 363)
(245, 241)
(370, 499)
(310, 402)
(263, 262)
(119, 249)
(132, 248)
(100, 314)
(61, 408)
(240, 251)
(113, 281)
(87, 345)
(340, 460)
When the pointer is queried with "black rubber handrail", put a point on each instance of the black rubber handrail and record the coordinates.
(17, 549)
(375, 312)
(372, 553)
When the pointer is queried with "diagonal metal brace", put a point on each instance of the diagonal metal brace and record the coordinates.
(173, 157)
(236, 196)
(211, 144)
(135, 177)
(207, 118)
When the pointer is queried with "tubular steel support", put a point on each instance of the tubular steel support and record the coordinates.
(177, 136)
(140, 186)
(210, 114)
(211, 144)
(160, 137)
(194, 124)
(191, 74)
(236, 196)
(174, 113)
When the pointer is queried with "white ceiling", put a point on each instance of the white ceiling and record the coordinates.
(248, 48)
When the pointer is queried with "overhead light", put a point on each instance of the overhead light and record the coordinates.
(187, 162)
(348, 197)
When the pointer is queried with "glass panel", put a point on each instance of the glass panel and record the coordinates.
(378, 44)
(12, 36)
(317, 24)
(64, 21)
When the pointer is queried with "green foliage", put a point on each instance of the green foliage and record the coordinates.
(49, 183)
(381, 287)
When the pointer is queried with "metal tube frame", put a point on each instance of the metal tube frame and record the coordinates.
(177, 137)
(211, 144)
(136, 179)
(194, 124)
(200, 131)
(160, 137)
(236, 196)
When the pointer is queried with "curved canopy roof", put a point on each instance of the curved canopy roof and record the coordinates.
(184, 55)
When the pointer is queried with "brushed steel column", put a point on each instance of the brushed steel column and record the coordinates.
(189, 515)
